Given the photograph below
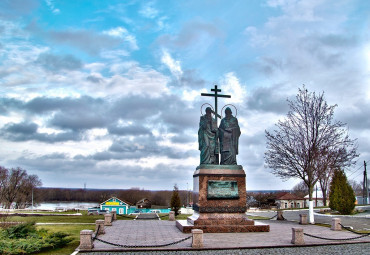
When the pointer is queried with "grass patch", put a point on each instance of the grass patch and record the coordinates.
(49, 212)
(354, 212)
(57, 218)
(258, 217)
(181, 216)
(323, 225)
(343, 229)
(164, 216)
(363, 231)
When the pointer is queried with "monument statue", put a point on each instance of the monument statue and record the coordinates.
(229, 132)
(219, 191)
(208, 139)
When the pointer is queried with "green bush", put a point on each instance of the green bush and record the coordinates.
(58, 239)
(175, 200)
(341, 196)
(25, 239)
(21, 230)
(20, 246)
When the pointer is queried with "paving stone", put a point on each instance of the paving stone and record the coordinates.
(163, 232)
(353, 249)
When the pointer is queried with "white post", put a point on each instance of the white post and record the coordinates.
(310, 214)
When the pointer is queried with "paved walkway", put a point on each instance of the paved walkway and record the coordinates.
(358, 222)
(163, 232)
(353, 249)
(147, 216)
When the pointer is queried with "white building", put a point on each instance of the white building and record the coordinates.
(317, 199)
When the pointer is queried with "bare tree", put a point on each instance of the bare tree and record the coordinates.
(16, 186)
(300, 189)
(339, 156)
(12, 185)
(299, 145)
(24, 196)
(356, 186)
(3, 178)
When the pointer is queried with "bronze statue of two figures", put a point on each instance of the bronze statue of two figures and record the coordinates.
(219, 188)
(214, 140)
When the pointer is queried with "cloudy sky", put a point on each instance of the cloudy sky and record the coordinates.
(107, 93)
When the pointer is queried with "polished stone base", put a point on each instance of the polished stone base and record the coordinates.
(223, 210)
(186, 227)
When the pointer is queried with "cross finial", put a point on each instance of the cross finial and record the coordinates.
(215, 95)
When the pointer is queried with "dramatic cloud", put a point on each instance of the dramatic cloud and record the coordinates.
(270, 99)
(57, 63)
(109, 94)
(29, 131)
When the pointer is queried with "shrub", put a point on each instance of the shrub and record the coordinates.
(21, 230)
(25, 239)
(58, 239)
(175, 200)
(341, 196)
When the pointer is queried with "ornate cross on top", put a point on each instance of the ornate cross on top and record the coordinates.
(215, 95)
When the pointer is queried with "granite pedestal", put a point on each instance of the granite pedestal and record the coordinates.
(219, 201)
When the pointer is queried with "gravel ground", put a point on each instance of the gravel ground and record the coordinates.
(353, 249)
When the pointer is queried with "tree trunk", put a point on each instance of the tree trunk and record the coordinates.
(323, 196)
(311, 219)
(324, 187)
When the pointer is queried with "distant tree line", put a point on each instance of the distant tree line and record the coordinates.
(261, 199)
(16, 187)
(160, 198)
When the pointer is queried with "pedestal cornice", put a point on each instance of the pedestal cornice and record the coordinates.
(220, 170)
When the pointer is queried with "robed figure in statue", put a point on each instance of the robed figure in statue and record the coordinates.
(208, 139)
(229, 132)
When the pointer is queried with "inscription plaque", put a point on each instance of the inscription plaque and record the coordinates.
(222, 190)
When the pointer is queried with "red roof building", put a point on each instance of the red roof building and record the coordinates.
(286, 200)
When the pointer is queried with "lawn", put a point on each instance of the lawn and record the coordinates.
(164, 216)
(258, 217)
(74, 229)
(69, 227)
(57, 219)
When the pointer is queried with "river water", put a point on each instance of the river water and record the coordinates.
(64, 205)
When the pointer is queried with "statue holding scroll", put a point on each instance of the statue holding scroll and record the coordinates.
(229, 132)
